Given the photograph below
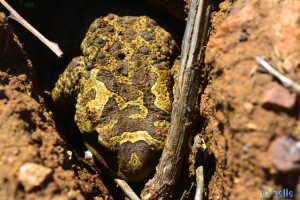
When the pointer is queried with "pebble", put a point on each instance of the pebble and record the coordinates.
(243, 36)
(286, 154)
(245, 149)
(278, 98)
(69, 153)
(32, 175)
(88, 155)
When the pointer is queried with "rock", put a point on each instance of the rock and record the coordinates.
(286, 154)
(32, 175)
(243, 36)
(278, 98)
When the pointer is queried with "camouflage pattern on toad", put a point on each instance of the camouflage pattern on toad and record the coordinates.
(122, 87)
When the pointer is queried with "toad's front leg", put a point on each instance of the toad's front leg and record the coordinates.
(67, 86)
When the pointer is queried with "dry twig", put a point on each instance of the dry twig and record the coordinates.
(200, 183)
(284, 80)
(14, 15)
(199, 145)
(127, 190)
(195, 38)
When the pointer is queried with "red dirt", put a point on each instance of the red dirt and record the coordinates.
(27, 131)
(240, 130)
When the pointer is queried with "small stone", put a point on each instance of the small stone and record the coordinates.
(245, 149)
(252, 126)
(73, 195)
(294, 152)
(243, 36)
(278, 98)
(286, 154)
(88, 155)
(69, 153)
(32, 175)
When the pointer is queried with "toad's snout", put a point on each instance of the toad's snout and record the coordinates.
(137, 160)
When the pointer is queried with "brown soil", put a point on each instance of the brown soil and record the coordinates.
(243, 124)
(250, 119)
(28, 132)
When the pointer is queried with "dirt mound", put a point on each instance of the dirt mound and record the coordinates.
(253, 119)
(34, 163)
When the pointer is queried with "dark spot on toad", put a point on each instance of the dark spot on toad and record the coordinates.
(107, 78)
(138, 63)
(162, 66)
(100, 41)
(120, 55)
(116, 46)
(144, 50)
(100, 55)
(90, 95)
(86, 74)
(110, 106)
(164, 50)
(103, 62)
(89, 66)
(103, 73)
(122, 68)
(129, 35)
(146, 35)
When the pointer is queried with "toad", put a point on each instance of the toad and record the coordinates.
(122, 89)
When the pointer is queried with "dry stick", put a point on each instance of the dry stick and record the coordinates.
(195, 38)
(284, 80)
(199, 145)
(14, 15)
(200, 183)
(127, 190)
